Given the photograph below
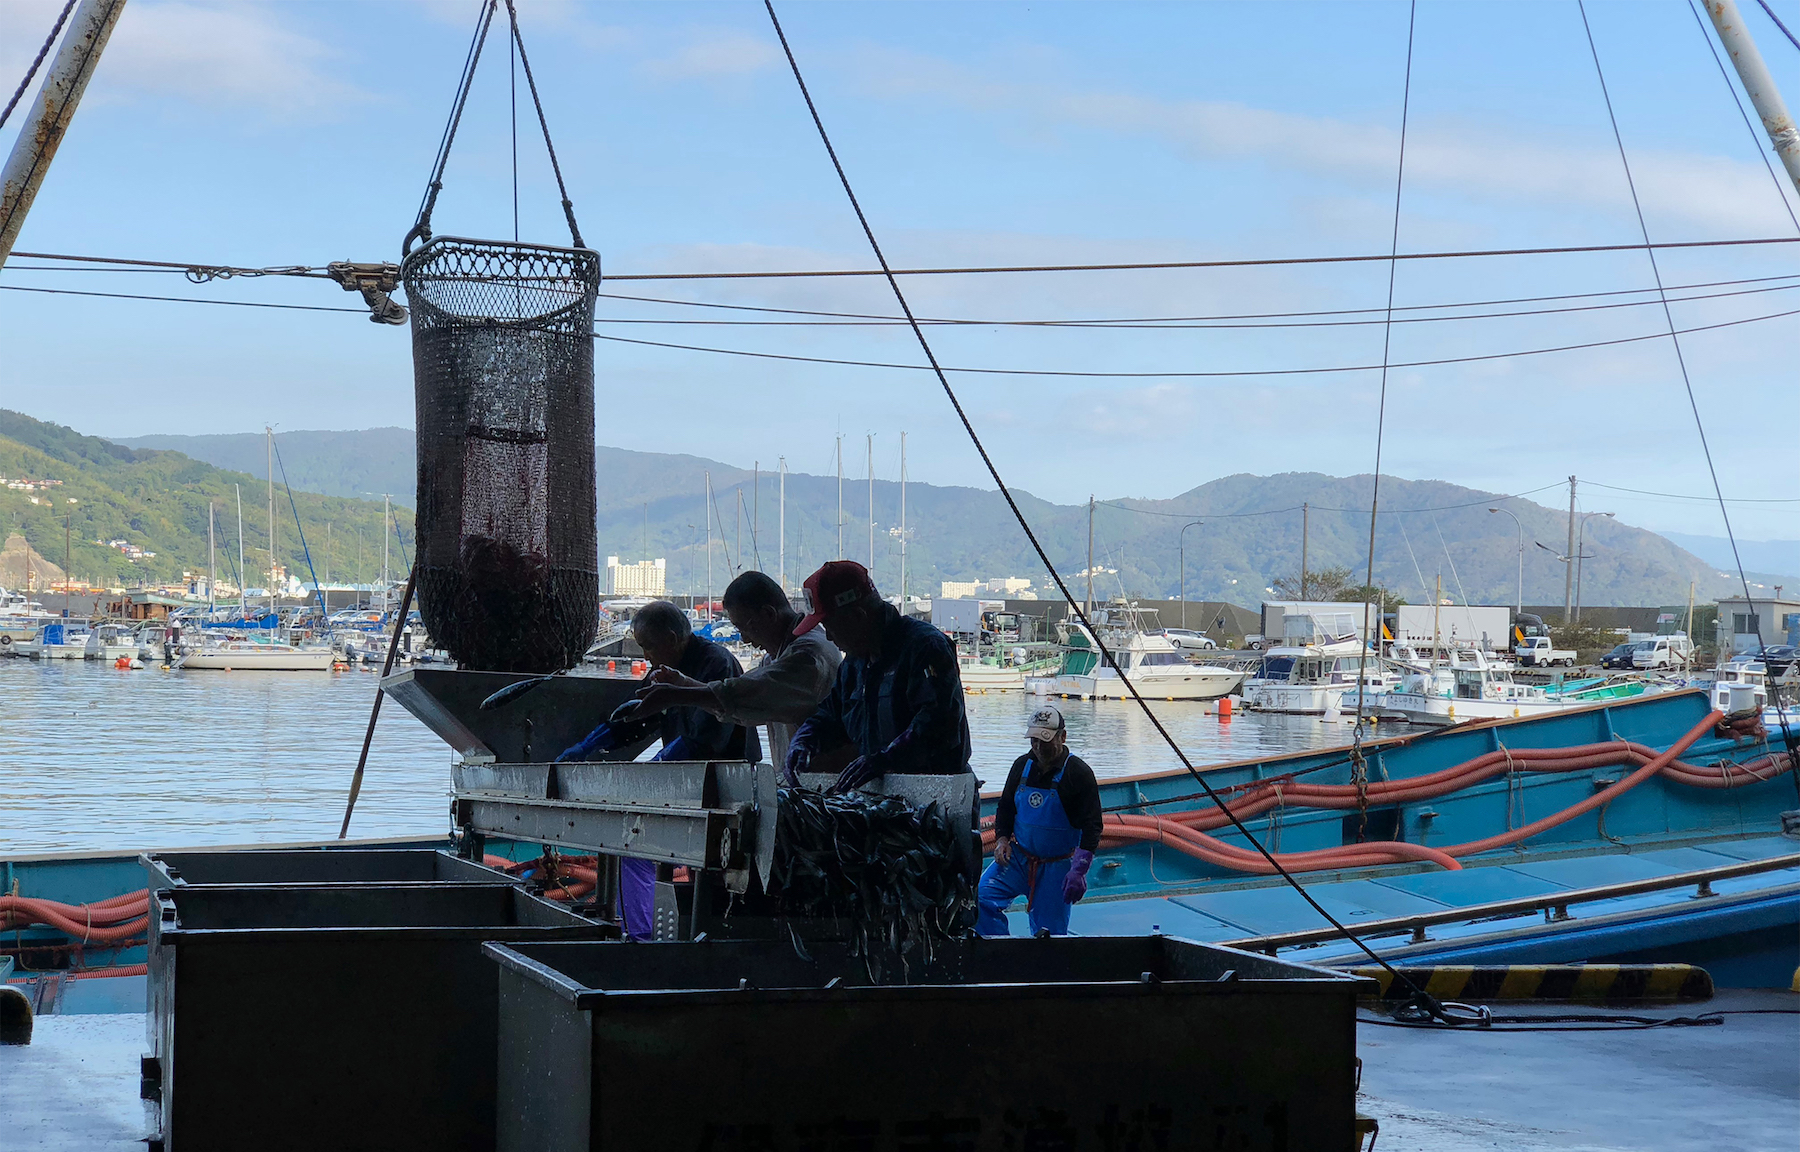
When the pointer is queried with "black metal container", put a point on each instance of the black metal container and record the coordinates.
(316, 866)
(346, 1017)
(1081, 1043)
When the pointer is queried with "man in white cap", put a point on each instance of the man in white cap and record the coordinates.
(1046, 830)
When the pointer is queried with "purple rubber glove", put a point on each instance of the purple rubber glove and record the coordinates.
(799, 759)
(857, 773)
(1075, 883)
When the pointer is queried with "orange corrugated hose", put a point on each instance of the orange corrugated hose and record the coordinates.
(1185, 831)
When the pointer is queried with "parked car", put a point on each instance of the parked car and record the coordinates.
(1620, 657)
(1188, 640)
(1778, 658)
(1663, 652)
(1538, 652)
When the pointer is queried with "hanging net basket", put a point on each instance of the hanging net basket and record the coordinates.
(503, 369)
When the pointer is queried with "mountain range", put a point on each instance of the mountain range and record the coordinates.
(1242, 532)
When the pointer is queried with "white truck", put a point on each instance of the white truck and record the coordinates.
(1663, 652)
(1537, 652)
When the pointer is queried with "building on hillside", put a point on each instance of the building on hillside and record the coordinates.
(1747, 625)
(1004, 588)
(146, 606)
(644, 578)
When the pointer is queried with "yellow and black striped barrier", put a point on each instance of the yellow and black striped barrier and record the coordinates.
(1485, 983)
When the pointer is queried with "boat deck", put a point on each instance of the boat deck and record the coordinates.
(75, 1087)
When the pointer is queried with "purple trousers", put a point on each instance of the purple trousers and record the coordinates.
(637, 897)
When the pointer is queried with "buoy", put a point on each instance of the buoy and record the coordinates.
(1224, 707)
(122, 662)
(612, 665)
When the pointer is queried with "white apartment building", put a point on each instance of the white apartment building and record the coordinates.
(644, 578)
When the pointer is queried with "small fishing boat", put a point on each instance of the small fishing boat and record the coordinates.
(1301, 680)
(1156, 667)
(55, 640)
(1471, 687)
(240, 655)
(109, 642)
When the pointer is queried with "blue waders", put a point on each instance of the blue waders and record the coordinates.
(1043, 840)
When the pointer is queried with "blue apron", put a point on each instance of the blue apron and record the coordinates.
(1041, 829)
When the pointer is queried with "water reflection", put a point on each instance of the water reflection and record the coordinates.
(94, 758)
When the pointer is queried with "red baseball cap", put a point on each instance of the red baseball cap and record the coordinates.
(836, 584)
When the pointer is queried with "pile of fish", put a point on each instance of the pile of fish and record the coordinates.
(895, 874)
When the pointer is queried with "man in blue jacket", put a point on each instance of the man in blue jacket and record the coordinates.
(662, 630)
(1046, 829)
(897, 703)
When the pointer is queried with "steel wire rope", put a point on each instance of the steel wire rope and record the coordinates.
(1159, 375)
(1756, 141)
(1104, 321)
(1358, 765)
(421, 228)
(49, 42)
(324, 609)
(1764, 4)
(197, 272)
(1710, 499)
(556, 168)
(1180, 324)
(1164, 265)
(1787, 732)
(1422, 1000)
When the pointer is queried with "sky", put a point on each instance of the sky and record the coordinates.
(284, 133)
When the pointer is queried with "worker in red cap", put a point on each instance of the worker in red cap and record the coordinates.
(1046, 829)
(897, 703)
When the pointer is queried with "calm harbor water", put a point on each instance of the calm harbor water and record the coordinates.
(93, 758)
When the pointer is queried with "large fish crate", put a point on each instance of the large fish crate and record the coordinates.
(316, 866)
(1098, 1043)
(355, 1016)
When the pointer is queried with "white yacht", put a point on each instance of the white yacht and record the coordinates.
(238, 655)
(1301, 679)
(109, 642)
(55, 640)
(1155, 667)
(1471, 687)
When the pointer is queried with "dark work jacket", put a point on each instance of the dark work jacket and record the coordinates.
(707, 737)
(1078, 790)
(903, 710)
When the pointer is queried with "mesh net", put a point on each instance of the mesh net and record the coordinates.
(503, 371)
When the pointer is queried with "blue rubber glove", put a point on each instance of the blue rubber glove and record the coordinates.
(858, 772)
(601, 739)
(1075, 883)
(799, 759)
(676, 749)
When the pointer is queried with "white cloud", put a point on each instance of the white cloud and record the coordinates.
(240, 54)
(714, 54)
(1479, 160)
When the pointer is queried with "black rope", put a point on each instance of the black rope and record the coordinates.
(1756, 139)
(525, 61)
(1421, 998)
(49, 41)
(1787, 733)
(1387, 337)
(421, 229)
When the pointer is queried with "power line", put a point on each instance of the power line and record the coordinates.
(1681, 496)
(183, 299)
(1325, 508)
(1764, 4)
(198, 272)
(1068, 373)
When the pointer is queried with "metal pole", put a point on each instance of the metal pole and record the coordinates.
(212, 560)
(709, 526)
(387, 667)
(1760, 86)
(756, 510)
(387, 581)
(1569, 552)
(270, 434)
(1580, 552)
(1521, 537)
(1305, 518)
(840, 468)
(1089, 610)
(68, 519)
(871, 506)
(41, 133)
(782, 542)
(1181, 553)
(902, 522)
(243, 572)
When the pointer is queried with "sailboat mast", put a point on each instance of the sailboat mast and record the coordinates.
(902, 522)
(871, 505)
(709, 528)
(243, 572)
(270, 434)
(1089, 610)
(781, 542)
(739, 566)
(212, 558)
(387, 586)
(840, 468)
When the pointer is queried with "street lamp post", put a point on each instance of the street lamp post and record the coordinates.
(1580, 553)
(1521, 532)
(1181, 554)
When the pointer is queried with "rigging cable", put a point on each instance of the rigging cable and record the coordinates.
(1784, 28)
(1358, 765)
(1787, 731)
(1421, 1000)
(421, 228)
(1756, 141)
(49, 41)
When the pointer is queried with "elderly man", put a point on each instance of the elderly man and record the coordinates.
(1046, 829)
(688, 733)
(796, 671)
(897, 703)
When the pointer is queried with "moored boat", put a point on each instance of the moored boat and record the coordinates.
(256, 655)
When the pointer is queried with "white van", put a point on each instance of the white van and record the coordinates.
(1663, 652)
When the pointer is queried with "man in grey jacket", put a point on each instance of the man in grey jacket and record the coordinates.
(796, 672)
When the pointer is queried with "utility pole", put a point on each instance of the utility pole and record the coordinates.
(1758, 84)
(871, 506)
(47, 120)
(1569, 565)
(1305, 529)
(840, 468)
(781, 543)
(1089, 610)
